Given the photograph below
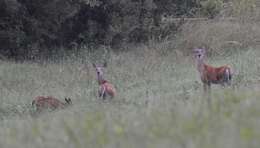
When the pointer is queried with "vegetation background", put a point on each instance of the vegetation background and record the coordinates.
(47, 48)
(32, 30)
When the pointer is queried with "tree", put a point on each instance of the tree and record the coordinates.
(29, 28)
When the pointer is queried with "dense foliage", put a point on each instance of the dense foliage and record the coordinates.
(29, 28)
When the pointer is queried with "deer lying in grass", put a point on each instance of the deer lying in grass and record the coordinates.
(105, 88)
(211, 75)
(41, 103)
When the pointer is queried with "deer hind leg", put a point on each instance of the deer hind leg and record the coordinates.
(227, 76)
(223, 84)
(206, 87)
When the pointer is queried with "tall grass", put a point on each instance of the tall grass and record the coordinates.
(159, 102)
(220, 36)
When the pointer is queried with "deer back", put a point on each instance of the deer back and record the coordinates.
(42, 102)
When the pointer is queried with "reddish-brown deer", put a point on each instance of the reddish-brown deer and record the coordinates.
(211, 75)
(105, 87)
(48, 102)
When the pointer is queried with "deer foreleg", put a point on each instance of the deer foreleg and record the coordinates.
(102, 92)
(207, 93)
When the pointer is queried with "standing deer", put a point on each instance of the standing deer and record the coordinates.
(49, 102)
(105, 88)
(211, 75)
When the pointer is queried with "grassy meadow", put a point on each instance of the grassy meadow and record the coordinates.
(159, 101)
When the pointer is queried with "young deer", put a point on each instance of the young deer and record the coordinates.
(211, 75)
(105, 88)
(49, 102)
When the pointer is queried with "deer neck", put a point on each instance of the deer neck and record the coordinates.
(200, 66)
(101, 80)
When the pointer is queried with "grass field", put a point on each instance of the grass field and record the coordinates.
(159, 103)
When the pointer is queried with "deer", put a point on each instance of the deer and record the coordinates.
(48, 102)
(105, 87)
(211, 75)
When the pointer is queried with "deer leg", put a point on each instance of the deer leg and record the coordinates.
(102, 93)
(206, 88)
(223, 84)
(228, 82)
(207, 93)
(227, 77)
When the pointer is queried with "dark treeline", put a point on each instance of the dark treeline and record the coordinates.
(29, 28)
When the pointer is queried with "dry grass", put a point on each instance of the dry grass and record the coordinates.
(219, 36)
(236, 27)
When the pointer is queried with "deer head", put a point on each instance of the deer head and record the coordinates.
(199, 53)
(99, 71)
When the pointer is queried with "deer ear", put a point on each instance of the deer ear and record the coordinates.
(105, 64)
(195, 50)
(94, 65)
(68, 100)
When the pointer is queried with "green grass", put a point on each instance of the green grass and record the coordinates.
(159, 103)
